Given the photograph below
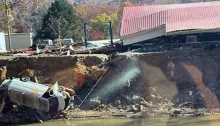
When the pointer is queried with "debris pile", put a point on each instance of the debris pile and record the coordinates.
(164, 84)
(176, 82)
(68, 72)
(34, 96)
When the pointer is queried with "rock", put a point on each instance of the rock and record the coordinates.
(152, 89)
(95, 72)
(136, 99)
(79, 68)
(137, 108)
(185, 104)
(146, 104)
(175, 113)
(28, 72)
(117, 102)
(94, 103)
(141, 108)
(3, 71)
(92, 60)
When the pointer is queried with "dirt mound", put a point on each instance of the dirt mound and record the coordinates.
(68, 71)
(27, 72)
(92, 61)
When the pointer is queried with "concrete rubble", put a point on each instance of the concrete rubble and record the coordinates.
(126, 85)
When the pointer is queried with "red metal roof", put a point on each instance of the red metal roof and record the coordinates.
(175, 17)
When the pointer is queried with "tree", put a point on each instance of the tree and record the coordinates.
(21, 11)
(22, 26)
(60, 21)
(95, 35)
(81, 11)
(3, 19)
(101, 23)
(124, 4)
(120, 13)
(87, 12)
(165, 1)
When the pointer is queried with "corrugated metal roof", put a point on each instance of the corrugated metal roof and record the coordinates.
(204, 15)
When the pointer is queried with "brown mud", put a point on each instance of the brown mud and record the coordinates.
(135, 85)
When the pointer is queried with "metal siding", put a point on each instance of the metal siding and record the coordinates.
(176, 17)
(144, 36)
(19, 41)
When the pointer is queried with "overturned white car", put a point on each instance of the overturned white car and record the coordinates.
(34, 95)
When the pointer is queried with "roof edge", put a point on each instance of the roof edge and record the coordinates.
(191, 31)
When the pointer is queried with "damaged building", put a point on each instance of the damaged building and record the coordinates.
(171, 26)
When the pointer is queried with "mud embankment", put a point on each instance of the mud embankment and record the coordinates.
(66, 70)
(176, 82)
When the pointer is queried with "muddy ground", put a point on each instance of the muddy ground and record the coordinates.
(185, 82)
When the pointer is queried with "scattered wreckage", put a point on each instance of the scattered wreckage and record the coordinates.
(46, 98)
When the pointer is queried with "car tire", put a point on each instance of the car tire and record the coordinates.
(25, 79)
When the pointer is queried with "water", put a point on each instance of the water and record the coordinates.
(152, 121)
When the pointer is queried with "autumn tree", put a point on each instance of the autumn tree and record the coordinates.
(26, 11)
(60, 21)
(101, 23)
(87, 12)
(81, 11)
(95, 35)
(3, 20)
(2, 16)
(124, 4)
(21, 11)
(93, 14)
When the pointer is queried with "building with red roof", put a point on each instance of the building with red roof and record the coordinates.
(195, 22)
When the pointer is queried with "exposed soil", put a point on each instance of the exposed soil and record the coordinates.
(135, 84)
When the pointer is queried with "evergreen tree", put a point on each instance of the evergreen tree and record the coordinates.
(60, 21)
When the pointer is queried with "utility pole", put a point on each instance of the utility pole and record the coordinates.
(111, 35)
(85, 35)
(8, 23)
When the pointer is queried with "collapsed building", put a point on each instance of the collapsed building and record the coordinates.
(171, 26)
(158, 81)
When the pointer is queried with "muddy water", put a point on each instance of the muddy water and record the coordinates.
(155, 121)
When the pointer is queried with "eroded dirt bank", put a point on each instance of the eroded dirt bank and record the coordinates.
(49, 69)
(176, 82)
